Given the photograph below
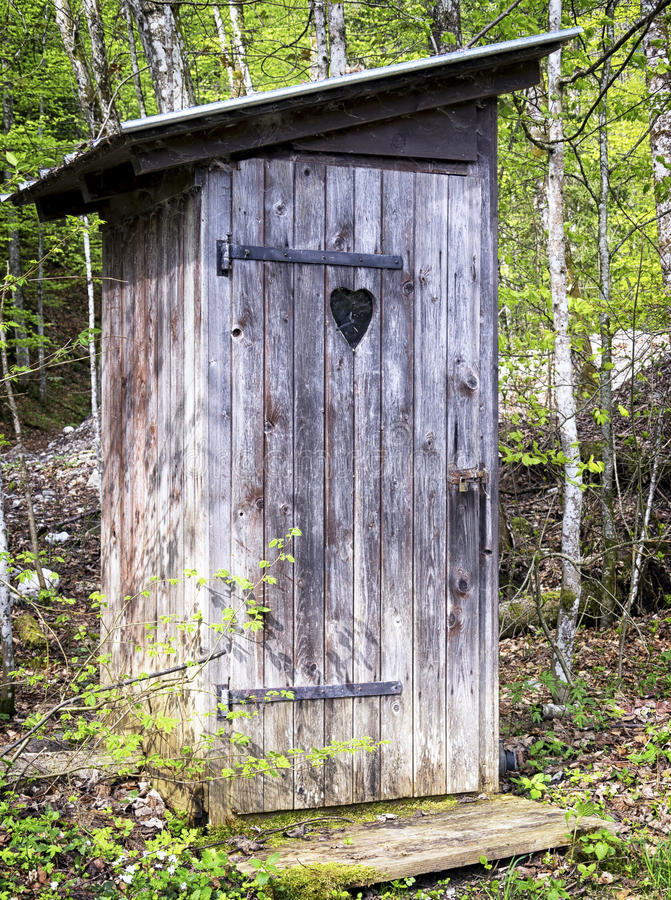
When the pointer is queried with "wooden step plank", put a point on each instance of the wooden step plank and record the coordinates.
(498, 827)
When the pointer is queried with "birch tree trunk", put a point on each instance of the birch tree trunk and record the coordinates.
(132, 49)
(164, 52)
(7, 706)
(109, 119)
(225, 52)
(446, 25)
(609, 573)
(656, 44)
(320, 51)
(564, 377)
(14, 253)
(75, 53)
(239, 49)
(337, 39)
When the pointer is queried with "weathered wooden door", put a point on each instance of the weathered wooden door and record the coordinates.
(375, 454)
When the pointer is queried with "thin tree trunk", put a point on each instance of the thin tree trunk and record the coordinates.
(93, 367)
(236, 14)
(132, 49)
(7, 706)
(656, 44)
(564, 390)
(164, 53)
(446, 25)
(337, 39)
(14, 254)
(11, 401)
(609, 574)
(225, 53)
(320, 51)
(75, 53)
(100, 68)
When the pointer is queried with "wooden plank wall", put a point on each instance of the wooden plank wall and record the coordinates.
(234, 409)
(154, 452)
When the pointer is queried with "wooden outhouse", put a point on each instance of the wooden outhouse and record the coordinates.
(299, 329)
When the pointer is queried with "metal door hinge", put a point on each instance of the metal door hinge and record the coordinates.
(464, 477)
(227, 697)
(227, 252)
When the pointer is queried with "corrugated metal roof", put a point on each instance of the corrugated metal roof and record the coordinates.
(304, 90)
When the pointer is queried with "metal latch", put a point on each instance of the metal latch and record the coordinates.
(464, 477)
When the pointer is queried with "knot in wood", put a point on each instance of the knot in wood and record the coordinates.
(470, 381)
(408, 288)
(258, 503)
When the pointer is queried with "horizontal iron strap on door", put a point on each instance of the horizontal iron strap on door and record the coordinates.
(228, 697)
(227, 252)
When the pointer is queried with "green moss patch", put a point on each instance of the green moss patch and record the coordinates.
(326, 881)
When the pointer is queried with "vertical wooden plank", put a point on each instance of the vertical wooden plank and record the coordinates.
(139, 387)
(339, 513)
(127, 447)
(366, 581)
(463, 421)
(175, 276)
(216, 225)
(112, 449)
(309, 196)
(429, 539)
(247, 368)
(278, 720)
(164, 415)
(397, 484)
(149, 511)
(196, 556)
(489, 416)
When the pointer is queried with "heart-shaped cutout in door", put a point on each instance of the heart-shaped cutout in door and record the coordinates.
(352, 311)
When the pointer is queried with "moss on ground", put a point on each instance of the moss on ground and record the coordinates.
(326, 881)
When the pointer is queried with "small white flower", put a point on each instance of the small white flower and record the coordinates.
(172, 858)
(171, 870)
(126, 878)
(182, 886)
(161, 854)
(131, 869)
(53, 885)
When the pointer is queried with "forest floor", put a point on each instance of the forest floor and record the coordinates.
(90, 835)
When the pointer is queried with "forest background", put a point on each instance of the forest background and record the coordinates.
(584, 249)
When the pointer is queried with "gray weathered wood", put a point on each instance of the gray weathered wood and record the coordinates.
(447, 134)
(217, 296)
(397, 485)
(247, 444)
(489, 540)
(308, 472)
(463, 452)
(366, 457)
(339, 512)
(112, 451)
(429, 530)
(496, 828)
(278, 462)
(128, 269)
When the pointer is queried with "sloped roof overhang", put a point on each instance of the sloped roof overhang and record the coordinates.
(145, 148)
